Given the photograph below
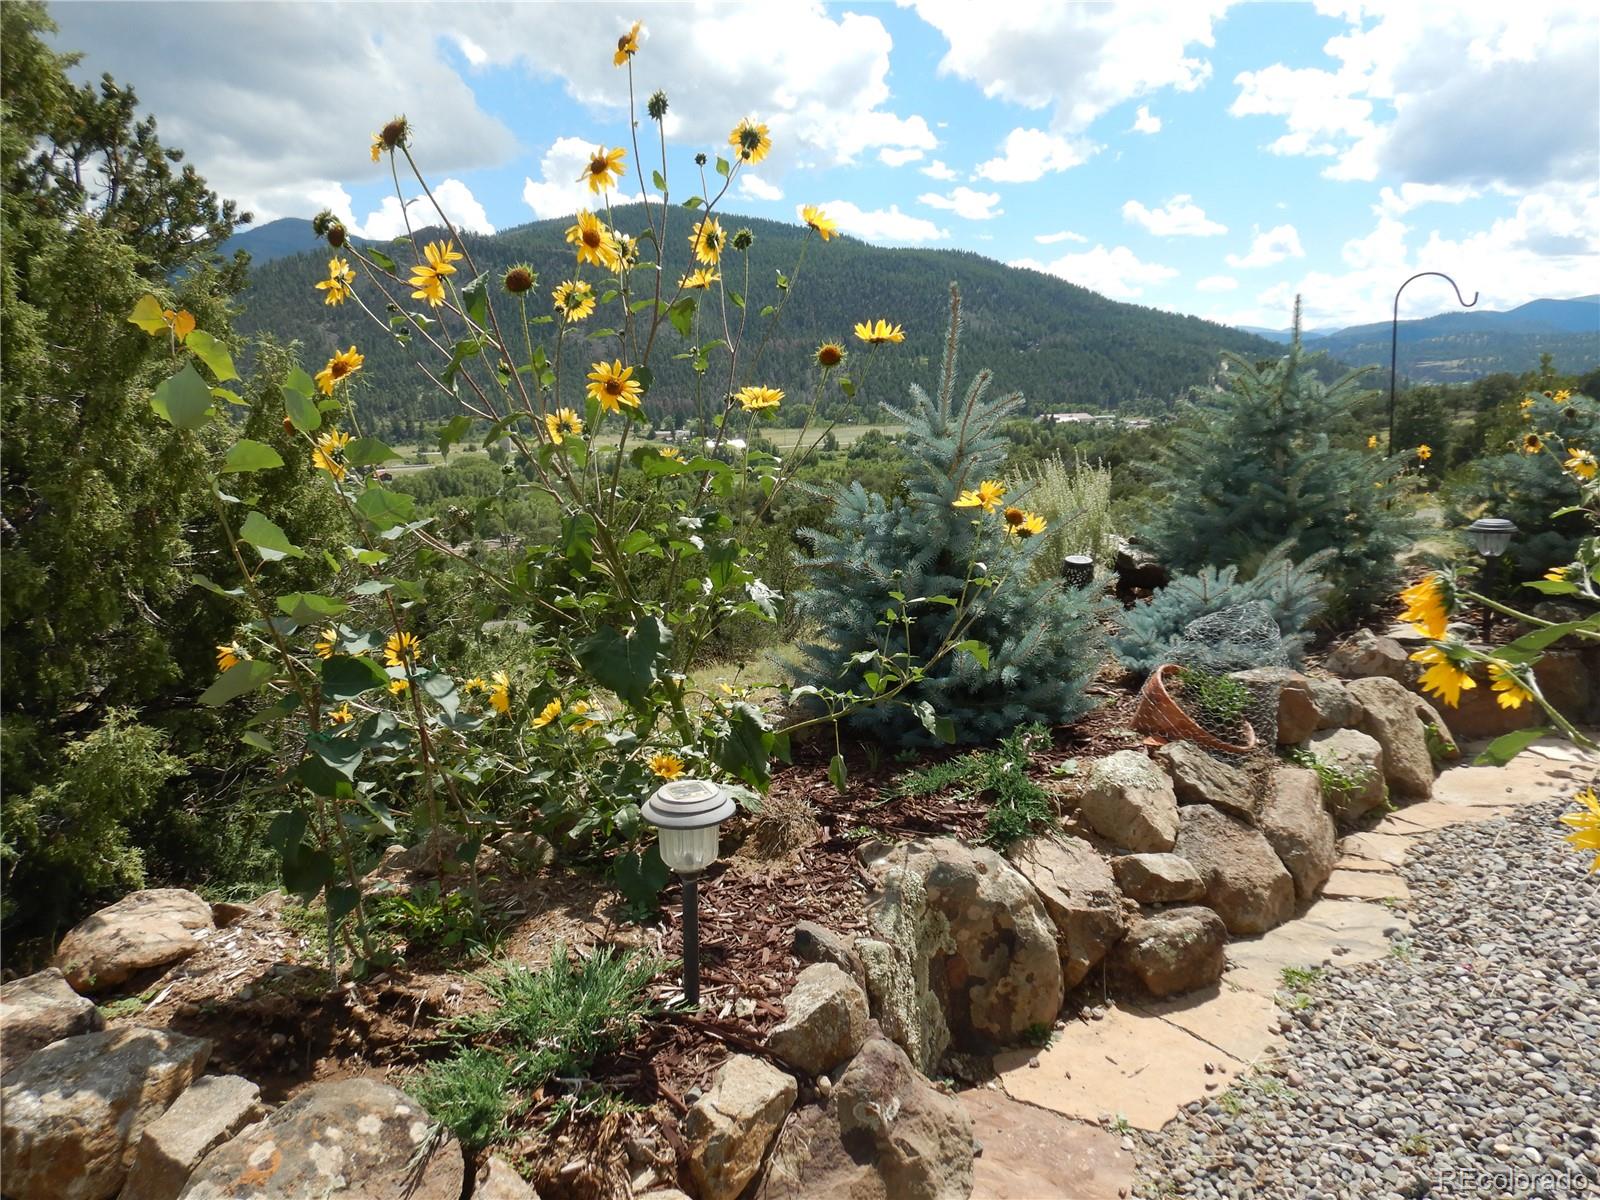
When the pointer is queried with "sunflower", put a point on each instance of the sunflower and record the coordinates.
(1557, 574)
(573, 299)
(1424, 452)
(546, 714)
(377, 146)
(1585, 825)
(1445, 677)
(397, 687)
(231, 655)
(1513, 691)
(666, 766)
(671, 452)
(750, 140)
(627, 46)
(500, 693)
(578, 710)
(1532, 443)
(337, 284)
(1428, 605)
(342, 715)
(329, 452)
(475, 684)
(699, 279)
(1562, 396)
(520, 279)
(440, 255)
(341, 366)
(327, 643)
(755, 399)
(708, 241)
(613, 387)
(988, 495)
(818, 220)
(426, 286)
(428, 277)
(562, 424)
(1022, 524)
(829, 355)
(1527, 408)
(879, 333)
(1372, 442)
(1581, 463)
(594, 242)
(605, 168)
(401, 649)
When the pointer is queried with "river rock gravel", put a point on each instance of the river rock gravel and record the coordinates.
(1466, 1064)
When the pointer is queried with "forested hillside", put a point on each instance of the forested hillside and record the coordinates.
(1063, 346)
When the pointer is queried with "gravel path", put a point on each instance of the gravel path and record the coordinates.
(1466, 1064)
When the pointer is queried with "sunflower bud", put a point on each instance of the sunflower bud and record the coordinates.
(322, 222)
(656, 106)
(743, 239)
(520, 279)
(335, 235)
(699, 160)
(396, 133)
(829, 355)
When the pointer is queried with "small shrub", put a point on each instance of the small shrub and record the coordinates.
(471, 1094)
(1334, 778)
(1076, 501)
(1219, 701)
(1018, 807)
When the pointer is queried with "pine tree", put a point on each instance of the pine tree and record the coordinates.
(1259, 469)
(1042, 639)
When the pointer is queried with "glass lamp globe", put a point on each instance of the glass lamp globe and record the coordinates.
(686, 813)
(1491, 535)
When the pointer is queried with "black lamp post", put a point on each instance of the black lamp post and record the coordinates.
(686, 813)
(1490, 536)
(1394, 337)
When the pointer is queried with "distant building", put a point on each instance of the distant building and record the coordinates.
(1084, 418)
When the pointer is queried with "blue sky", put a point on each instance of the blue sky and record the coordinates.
(1203, 156)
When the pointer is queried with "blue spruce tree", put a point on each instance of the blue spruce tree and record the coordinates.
(1043, 640)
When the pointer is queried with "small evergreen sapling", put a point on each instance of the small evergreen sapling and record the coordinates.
(1042, 640)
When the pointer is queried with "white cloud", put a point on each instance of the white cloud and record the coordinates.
(1143, 122)
(1065, 235)
(1414, 195)
(885, 225)
(1181, 217)
(1269, 248)
(1118, 273)
(964, 202)
(560, 190)
(454, 198)
(1216, 283)
(937, 170)
(757, 188)
(1029, 154)
(1082, 59)
(898, 158)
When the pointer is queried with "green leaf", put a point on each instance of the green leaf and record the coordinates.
(336, 753)
(442, 689)
(476, 298)
(299, 382)
(847, 385)
(260, 741)
(246, 455)
(746, 749)
(640, 876)
(213, 353)
(269, 540)
(681, 315)
(184, 401)
(628, 663)
(346, 676)
(1539, 639)
(453, 431)
(1553, 587)
(838, 774)
(303, 414)
(382, 259)
(636, 541)
(148, 315)
(222, 393)
(385, 509)
(308, 607)
(237, 680)
(646, 377)
(459, 353)
(1506, 747)
(978, 651)
(218, 589)
(655, 178)
(692, 202)
(722, 166)
(367, 452)
(736, 297)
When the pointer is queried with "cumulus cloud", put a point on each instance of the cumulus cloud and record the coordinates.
(1118, 272)
(1064, 235)
(964, 202)
(889, 225)
(937, 170)
(454, 198)
(757, 188)
(1181, 217)
(1029, 154)
(1216, 283)
(1143, 122)
(1398, 202)
(890, 156)
(1269, 248)
(560, 191)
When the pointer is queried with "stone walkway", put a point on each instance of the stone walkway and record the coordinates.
(1057, 1123)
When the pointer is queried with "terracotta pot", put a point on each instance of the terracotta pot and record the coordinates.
(1159, 713)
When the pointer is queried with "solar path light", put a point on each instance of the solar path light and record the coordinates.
(1490, 537)
(686, 813)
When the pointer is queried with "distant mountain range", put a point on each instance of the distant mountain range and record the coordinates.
(275, 240)
(1469, 343)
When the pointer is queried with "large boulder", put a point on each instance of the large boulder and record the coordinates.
(72, 1114)
(1198, 778)
(1291, 691)
(886, 1133)
(1295, 823)
(815, 943)
(1172, 951)
(141, 931)
(1158, 878)
(1246, 884)
(349, 1139)
(1390, 718)
(1334, 706)
(825, 1020)
(1080, 895)
(1358, 762)
(1130, 802)
(1364, 654)
(498, 1180)
(729, 1128)
(205, 1116)
(969, 931)
(901, 996)
(39, 1009)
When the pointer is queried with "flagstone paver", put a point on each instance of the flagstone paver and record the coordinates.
(1030, 1153)
(1366, 885)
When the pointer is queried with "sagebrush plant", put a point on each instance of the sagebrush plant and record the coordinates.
(1018, 807)
(1075, 498)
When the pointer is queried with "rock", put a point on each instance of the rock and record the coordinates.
(1174, 950)
(1442, 745)
(815, 943)
(498, 1180)
(1299, 828)
(141, 931)
(1565, 678)
(729, 1128)
(39, 1009)
(1248, 886)
(1391, 719)
(214, 1109)
(1198, 778)
(1080, 895)
(1137, 568)
(885, 1134)
(1335, 707)
(528, 852)
(1157, 878)
(350, 1139)
(1296, 710)
(1359, 759)
(825, 1020)
(970, 931)
(226, 912)
(902, 999)
(1129, 801)
(71, 1115)
(1364, 654)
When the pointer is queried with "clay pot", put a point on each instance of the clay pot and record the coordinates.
(1159, 713)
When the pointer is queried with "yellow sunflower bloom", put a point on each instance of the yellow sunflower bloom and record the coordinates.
(1372, 442)
(341, 366)
(340, 276)
(669, 452)
(755, 399)
(1424, 452)
(750, 141)
(562, 424)
(627, 46)
(1527, 408)
(546, 714)
(500, 693)
(819, 221)
(326, 645)
(440, 255)
(377, 146)
(397, 687)
(1532, 443)
(1510, 689)
(699, 279)
(230, 655)
(342, 715)
(578, 710)
(605, 168)
(594, 242)
(1582, 464)
(401, 649)
(1428, 606)
(666, 766)
(987, 496)
(1022, 524)
(475, 684)
(708, 241)
(880, 332)
(427, 286)
(1557, 574)
(1585, 826)
(573, 299)
(1562, 396)
(1445, 678)
(829, 355)
(613, 387)
(329, 452)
